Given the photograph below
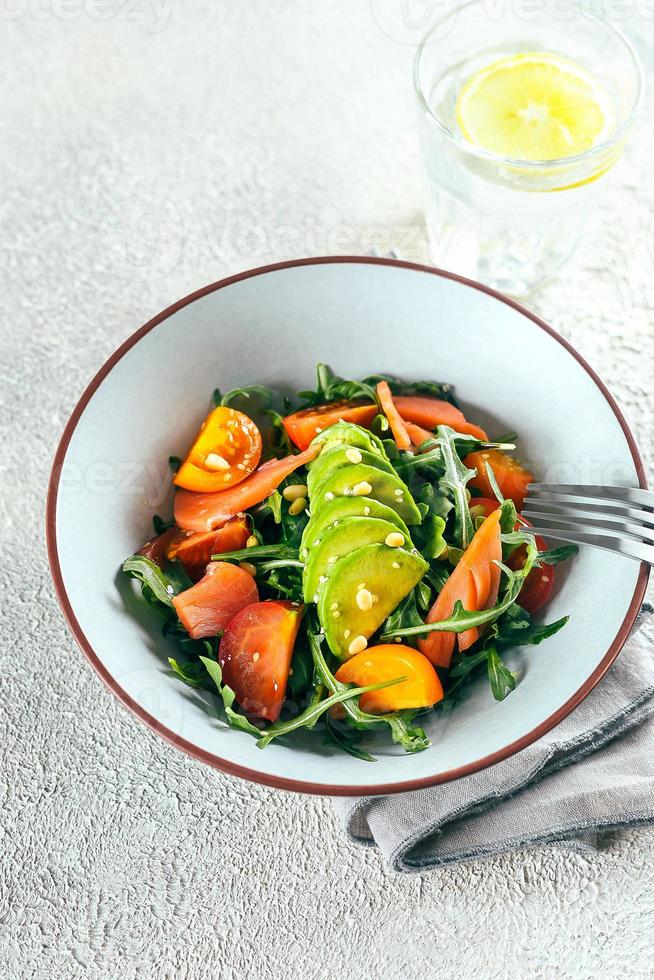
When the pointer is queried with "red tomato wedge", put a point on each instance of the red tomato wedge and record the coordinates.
(225, 451)
(255, 655)
(304, 425)
(421, 689)
(475, 581)
(195, 548)
(206, 608)
(156, 548)
(206, 511)
(398, 428)
(430, 412)
(417, 434)
(512, 478)
(539, 583)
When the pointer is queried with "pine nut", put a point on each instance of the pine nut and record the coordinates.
(252, 541)
(249, 568)
(364, 599)
(358, 645)
(298, 505)
(394, 539)
(353, 455)
(295, 492)
(215, 462)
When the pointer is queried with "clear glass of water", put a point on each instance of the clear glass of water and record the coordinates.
(510, 222)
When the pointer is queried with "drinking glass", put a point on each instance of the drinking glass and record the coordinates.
(513, 223)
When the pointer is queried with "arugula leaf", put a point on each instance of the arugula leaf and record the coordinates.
(192, 673)
(234, 719)
(145, 570)
(502, 680)
(331, 388)
(177, 576)
(404, 615)
(430, 537)
(556, 555)
(433, 389)
(492, 479)
(515, 629)
(308, 717)
(345, 740)
(259, 393)
(274, 501)
(454, 480)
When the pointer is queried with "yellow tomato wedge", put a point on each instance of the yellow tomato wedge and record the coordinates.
(421, 689)
(226, 450)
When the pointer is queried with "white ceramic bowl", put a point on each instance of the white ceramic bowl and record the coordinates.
(362, 316)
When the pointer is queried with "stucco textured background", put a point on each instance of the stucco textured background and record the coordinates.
(149, 148)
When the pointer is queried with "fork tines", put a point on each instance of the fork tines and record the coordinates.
(619, 519)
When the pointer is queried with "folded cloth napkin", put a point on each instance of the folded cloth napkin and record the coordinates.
(592, 773)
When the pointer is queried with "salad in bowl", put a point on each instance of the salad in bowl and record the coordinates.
(347, 564)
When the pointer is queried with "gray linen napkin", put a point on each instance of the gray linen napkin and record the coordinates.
(592, 773)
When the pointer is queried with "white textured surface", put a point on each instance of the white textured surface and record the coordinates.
(139, 164)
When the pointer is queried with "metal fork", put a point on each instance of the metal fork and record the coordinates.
(617, 519)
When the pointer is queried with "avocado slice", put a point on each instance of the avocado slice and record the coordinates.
(351, 435)
(338, 456)
(337, 510)
(348, 535)
(388, 574)
(352, 481)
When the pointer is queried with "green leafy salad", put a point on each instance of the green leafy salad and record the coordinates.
(348, 565)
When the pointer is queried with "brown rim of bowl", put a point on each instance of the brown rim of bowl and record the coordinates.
(295, 784)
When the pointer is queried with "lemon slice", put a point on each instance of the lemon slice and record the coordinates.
(534, 106)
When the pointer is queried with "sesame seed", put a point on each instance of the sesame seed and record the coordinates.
(333, 606)
(546, 578)
(399, 492)
(318, 429)
(247, 567)
(336, 523)
(353, 455)
(170, 590)
(215, 462)
(485, 455)
(346, 634)
(226, 478)
(394, 539)
(295, 491)
(255, 656)
(275, 685)
(322, 578)
(330, 561)
(398, 639)
(329, 495)
(240, 466)
(336, 614)
(364, 599)
(315, 598)
(362, 489)
(396, 564)
(358, 645)
(366, 511)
